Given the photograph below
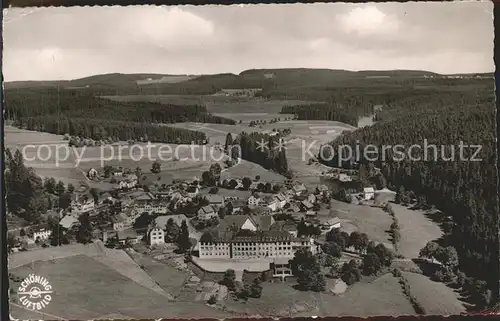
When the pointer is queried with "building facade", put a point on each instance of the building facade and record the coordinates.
(156, 236)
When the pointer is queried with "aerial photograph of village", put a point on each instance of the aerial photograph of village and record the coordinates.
(250, 161)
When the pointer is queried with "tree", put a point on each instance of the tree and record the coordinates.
(229, 280)
(95, 194)
(256, 288)
(302, 229)
(58, 235)
(60, 188)
(246, 183)
(183, 241)
(429, 250)
(213, 190)
(11, 242)
(350, 272)
(71, 188)
(156, 167)
(222, 212)
(257, 178)
(337, 236)
(330, 260)
(384, 254)
(232, 184)
(212, 300)
(371, 264)
(308, 271)
(207, 178)
(84, 234)
(50, 185)
(447, 256)
(215, 170)
(229, 142)
(172, 231)
(332, 249)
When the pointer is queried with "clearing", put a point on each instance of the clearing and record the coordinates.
(366, 219)
(416, 230)
(435, 297)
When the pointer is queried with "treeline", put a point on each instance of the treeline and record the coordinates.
(264, 150)
(83, 104)
(462, 188)
(326, 111)
(99, 129)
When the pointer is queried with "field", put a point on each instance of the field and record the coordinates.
(380, 297)
(443, 301)
(416, 230)
(370, 220)
(88, 289)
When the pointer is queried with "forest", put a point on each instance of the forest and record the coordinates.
(271, 157)
(100, 129)
(461, 188)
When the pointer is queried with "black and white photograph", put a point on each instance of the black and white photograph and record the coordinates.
(264, 160)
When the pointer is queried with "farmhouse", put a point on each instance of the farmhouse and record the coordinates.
(156, 236)
(68, 222)
(345, 178)
(306, 205)
(82, 203)
(253, 201)
(192, 191)
(331, 224)
(299, 189)
(368, 193)
(207, 212)
(215, 200)
(127, 236)
(92, 173)
(125, 183)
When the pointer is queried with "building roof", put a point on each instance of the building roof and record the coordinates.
(206, 209)
(307, 204)
(333, 221)
(68, 221)
(262, 223)
(214, 198)
(368, 190)
(126, 234)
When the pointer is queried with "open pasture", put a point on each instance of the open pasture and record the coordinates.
(383, 296)
(370, 220)
(87, 289)
(443, 301)
(416, 230)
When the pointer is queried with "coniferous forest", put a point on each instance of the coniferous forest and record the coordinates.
(462, 187)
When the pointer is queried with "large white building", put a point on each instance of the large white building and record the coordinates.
(82, 204)
(251, 237)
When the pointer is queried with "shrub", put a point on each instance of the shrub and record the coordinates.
(397, 272)
(212, 299)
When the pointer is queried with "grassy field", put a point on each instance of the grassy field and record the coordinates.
(87, 289)
(442, 301)
(167, 277)
(381, 297)
(416, 230)
(370, 220)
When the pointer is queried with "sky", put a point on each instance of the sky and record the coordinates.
(70, 43)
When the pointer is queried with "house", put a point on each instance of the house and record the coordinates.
(331, 224)
(92, 173)
(311, 214)
(68, 222)
(299, 189)
(254, 186)
(306, 205)
(207, 212)
(118, 173)
(253, 201)
(293, 208)
(125, 183)
(156, 236)
(41, 233)
(322, 190)
(127, 236)
(120, 222)
(145, 198)
(82, 203)
(214, 199)
(368, 193)
(192, 191)
(153, 207)
(345, 178)
(105, 198)
(311, 198)
(162, 221)
(282, 200)
(274, 205)
(237, 205)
